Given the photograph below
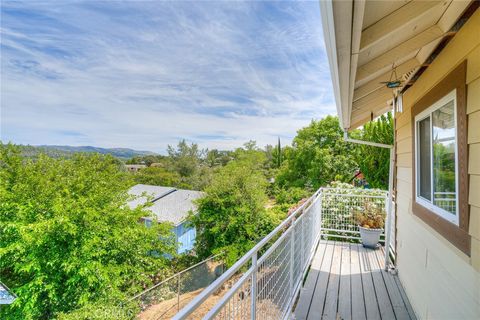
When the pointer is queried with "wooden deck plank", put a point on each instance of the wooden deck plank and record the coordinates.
(358, 301)
(384, 303)
(318, 299)
(306, 293)
(371, 303)
(396, 299)
(345, 295)
(347, 281)
(331, 301)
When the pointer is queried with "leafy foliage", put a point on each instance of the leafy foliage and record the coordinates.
(373, 161)
(158, 176)
(147, 160)
(319, 155)
(186, 166)
(185, 158)
(232, 216)
(67, 239)
(444, 167)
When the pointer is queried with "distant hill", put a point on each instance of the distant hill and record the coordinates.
(62, 151)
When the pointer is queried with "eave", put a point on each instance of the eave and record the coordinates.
(365, 39)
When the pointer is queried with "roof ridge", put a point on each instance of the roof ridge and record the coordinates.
(164, 194)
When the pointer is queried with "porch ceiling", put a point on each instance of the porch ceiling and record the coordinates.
(366, 38)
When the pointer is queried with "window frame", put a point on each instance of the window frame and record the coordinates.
(456, 234)
(429, 204)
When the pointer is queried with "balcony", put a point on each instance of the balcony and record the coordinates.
(347, 281)
(310, 267)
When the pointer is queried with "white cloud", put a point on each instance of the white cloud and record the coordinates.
(145, 74)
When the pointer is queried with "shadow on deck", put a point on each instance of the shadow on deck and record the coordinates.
(348, 281)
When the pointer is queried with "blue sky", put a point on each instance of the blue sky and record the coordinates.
(144, 74)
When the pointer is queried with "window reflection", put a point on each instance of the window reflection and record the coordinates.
(443, 127)
(424, 160)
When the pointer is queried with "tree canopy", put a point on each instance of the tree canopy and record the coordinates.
(318, 156)
(67, 239)
(232, 217)
(374, 162)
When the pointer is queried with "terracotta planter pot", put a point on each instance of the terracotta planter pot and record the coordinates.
(370, 237)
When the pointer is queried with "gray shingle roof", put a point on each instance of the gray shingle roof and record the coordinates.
(5, 296)
(172, 205)
(154, 191)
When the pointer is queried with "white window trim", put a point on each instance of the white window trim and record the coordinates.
(453, 218)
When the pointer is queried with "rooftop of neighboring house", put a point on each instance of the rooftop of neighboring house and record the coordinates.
(5, 296)
(169, 204)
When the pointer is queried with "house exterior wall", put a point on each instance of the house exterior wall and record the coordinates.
(185, 236)
(441, 281)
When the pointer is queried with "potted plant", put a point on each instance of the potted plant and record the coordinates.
(370, 220)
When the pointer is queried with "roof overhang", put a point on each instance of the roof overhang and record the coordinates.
(364, 39)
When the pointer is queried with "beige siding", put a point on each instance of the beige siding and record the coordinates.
(474, 164)
(404, 160)
(404, 145)
(474, 228)
(406, 130)
(403, 118)
(473, 129)
(473, 95)
(473, 196)
(473, 71)
(404, 174)
(441, 281)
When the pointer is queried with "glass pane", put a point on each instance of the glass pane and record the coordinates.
(424, 171)
(444, 146)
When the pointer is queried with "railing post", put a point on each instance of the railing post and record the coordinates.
(253, 290)
(302, 244)
(388, 226)
(292, 254)
(321, 212)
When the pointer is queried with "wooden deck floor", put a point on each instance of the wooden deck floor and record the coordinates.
(347, 281)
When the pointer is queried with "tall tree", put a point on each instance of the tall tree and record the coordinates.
(232, 216)
(318, 156)
(374, 161)
(185, 158)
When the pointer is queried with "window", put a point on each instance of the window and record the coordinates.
(437, 158)
(147, 222)
(440, 158)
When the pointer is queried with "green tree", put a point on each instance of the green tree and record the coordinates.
(318, 156)
(232, 216)
(67, 239)
(277, 154)
(185, 158)
(374, 162)
(216, 158)
(158, 176)
(147, 160)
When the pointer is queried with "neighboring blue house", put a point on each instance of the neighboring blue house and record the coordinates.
(170, 205)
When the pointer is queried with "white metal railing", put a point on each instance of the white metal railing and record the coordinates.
(338, 206)
(273, 273)
(445, 200)
(337, 218)
(264, 283)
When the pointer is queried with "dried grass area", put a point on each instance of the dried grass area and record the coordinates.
(168, 308)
